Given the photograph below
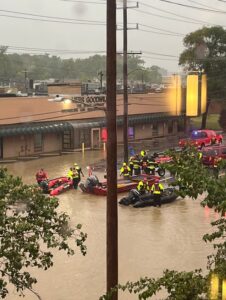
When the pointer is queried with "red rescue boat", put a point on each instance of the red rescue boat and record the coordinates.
(56, 186)
(93, 186)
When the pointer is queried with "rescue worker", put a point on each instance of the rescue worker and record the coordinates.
(151, 166)
(74, 176)
(216, 169)
(79, 170)
(125, 170)
(143, 153)
(200, 155)
(144, 156)
(136, 165)
(157, 189)
(131, 164)
(143, 187)
(41, 175)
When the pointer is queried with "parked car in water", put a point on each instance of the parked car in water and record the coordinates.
(212, 154)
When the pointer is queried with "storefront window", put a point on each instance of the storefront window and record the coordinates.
(67, 140)
(131, 134)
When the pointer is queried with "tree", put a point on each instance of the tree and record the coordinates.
(205, 51)
(192, 179)
(29, 227)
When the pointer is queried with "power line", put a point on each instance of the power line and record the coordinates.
(51, 21)
(70, 51)
(201, 4)
(159, 33)
(50, 17)
(165, 17)
(53, 18)
(164, 30)
(196, 21)
(194, 7)
(159, 58)
(160, 54)
(86, 2)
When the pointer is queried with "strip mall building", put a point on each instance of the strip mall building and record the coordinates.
(33, 126)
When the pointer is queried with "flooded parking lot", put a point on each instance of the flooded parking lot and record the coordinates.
(151, 239)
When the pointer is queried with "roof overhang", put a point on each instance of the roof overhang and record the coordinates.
(45, 127)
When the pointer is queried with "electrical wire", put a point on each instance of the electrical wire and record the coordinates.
(164, 30)
(55, 50)
(51, 17)
(160, 54)
(158, 58)
(178, 15)
(51, 21)
(165, 17)
(158, 33)
(86, 2)
(201, 4)
(194, 7)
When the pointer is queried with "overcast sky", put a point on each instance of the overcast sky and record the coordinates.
(83, 40)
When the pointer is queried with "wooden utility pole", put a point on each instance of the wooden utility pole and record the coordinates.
(125, 83)
(112, 206)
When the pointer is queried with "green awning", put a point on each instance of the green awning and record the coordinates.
(33, 128)
(45, 127)
(132, 120)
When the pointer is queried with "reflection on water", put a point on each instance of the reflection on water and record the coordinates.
(151, 239)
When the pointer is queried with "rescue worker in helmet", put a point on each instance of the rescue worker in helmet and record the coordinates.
(74, 176)
(131, 164)
(144, 157)
(125, 170)
(79, 170)
(136, 165)
(143, 153)
(143, 187)
(157, 189)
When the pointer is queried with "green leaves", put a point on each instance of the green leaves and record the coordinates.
(29, 225)
(205, 50)
(178, 285)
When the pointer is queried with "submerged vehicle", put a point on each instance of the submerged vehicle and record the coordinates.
(137, 200)
(92, 185)
(56, 186)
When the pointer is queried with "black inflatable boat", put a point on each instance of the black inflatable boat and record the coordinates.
(137, 200)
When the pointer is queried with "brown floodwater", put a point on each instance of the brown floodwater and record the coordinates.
(150, 239)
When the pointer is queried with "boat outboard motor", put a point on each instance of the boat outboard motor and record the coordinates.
(44, 185)
(134, 196)
(91, 181)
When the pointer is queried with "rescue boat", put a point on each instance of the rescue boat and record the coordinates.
(92, 185)
(137, 200)
(56, 186)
